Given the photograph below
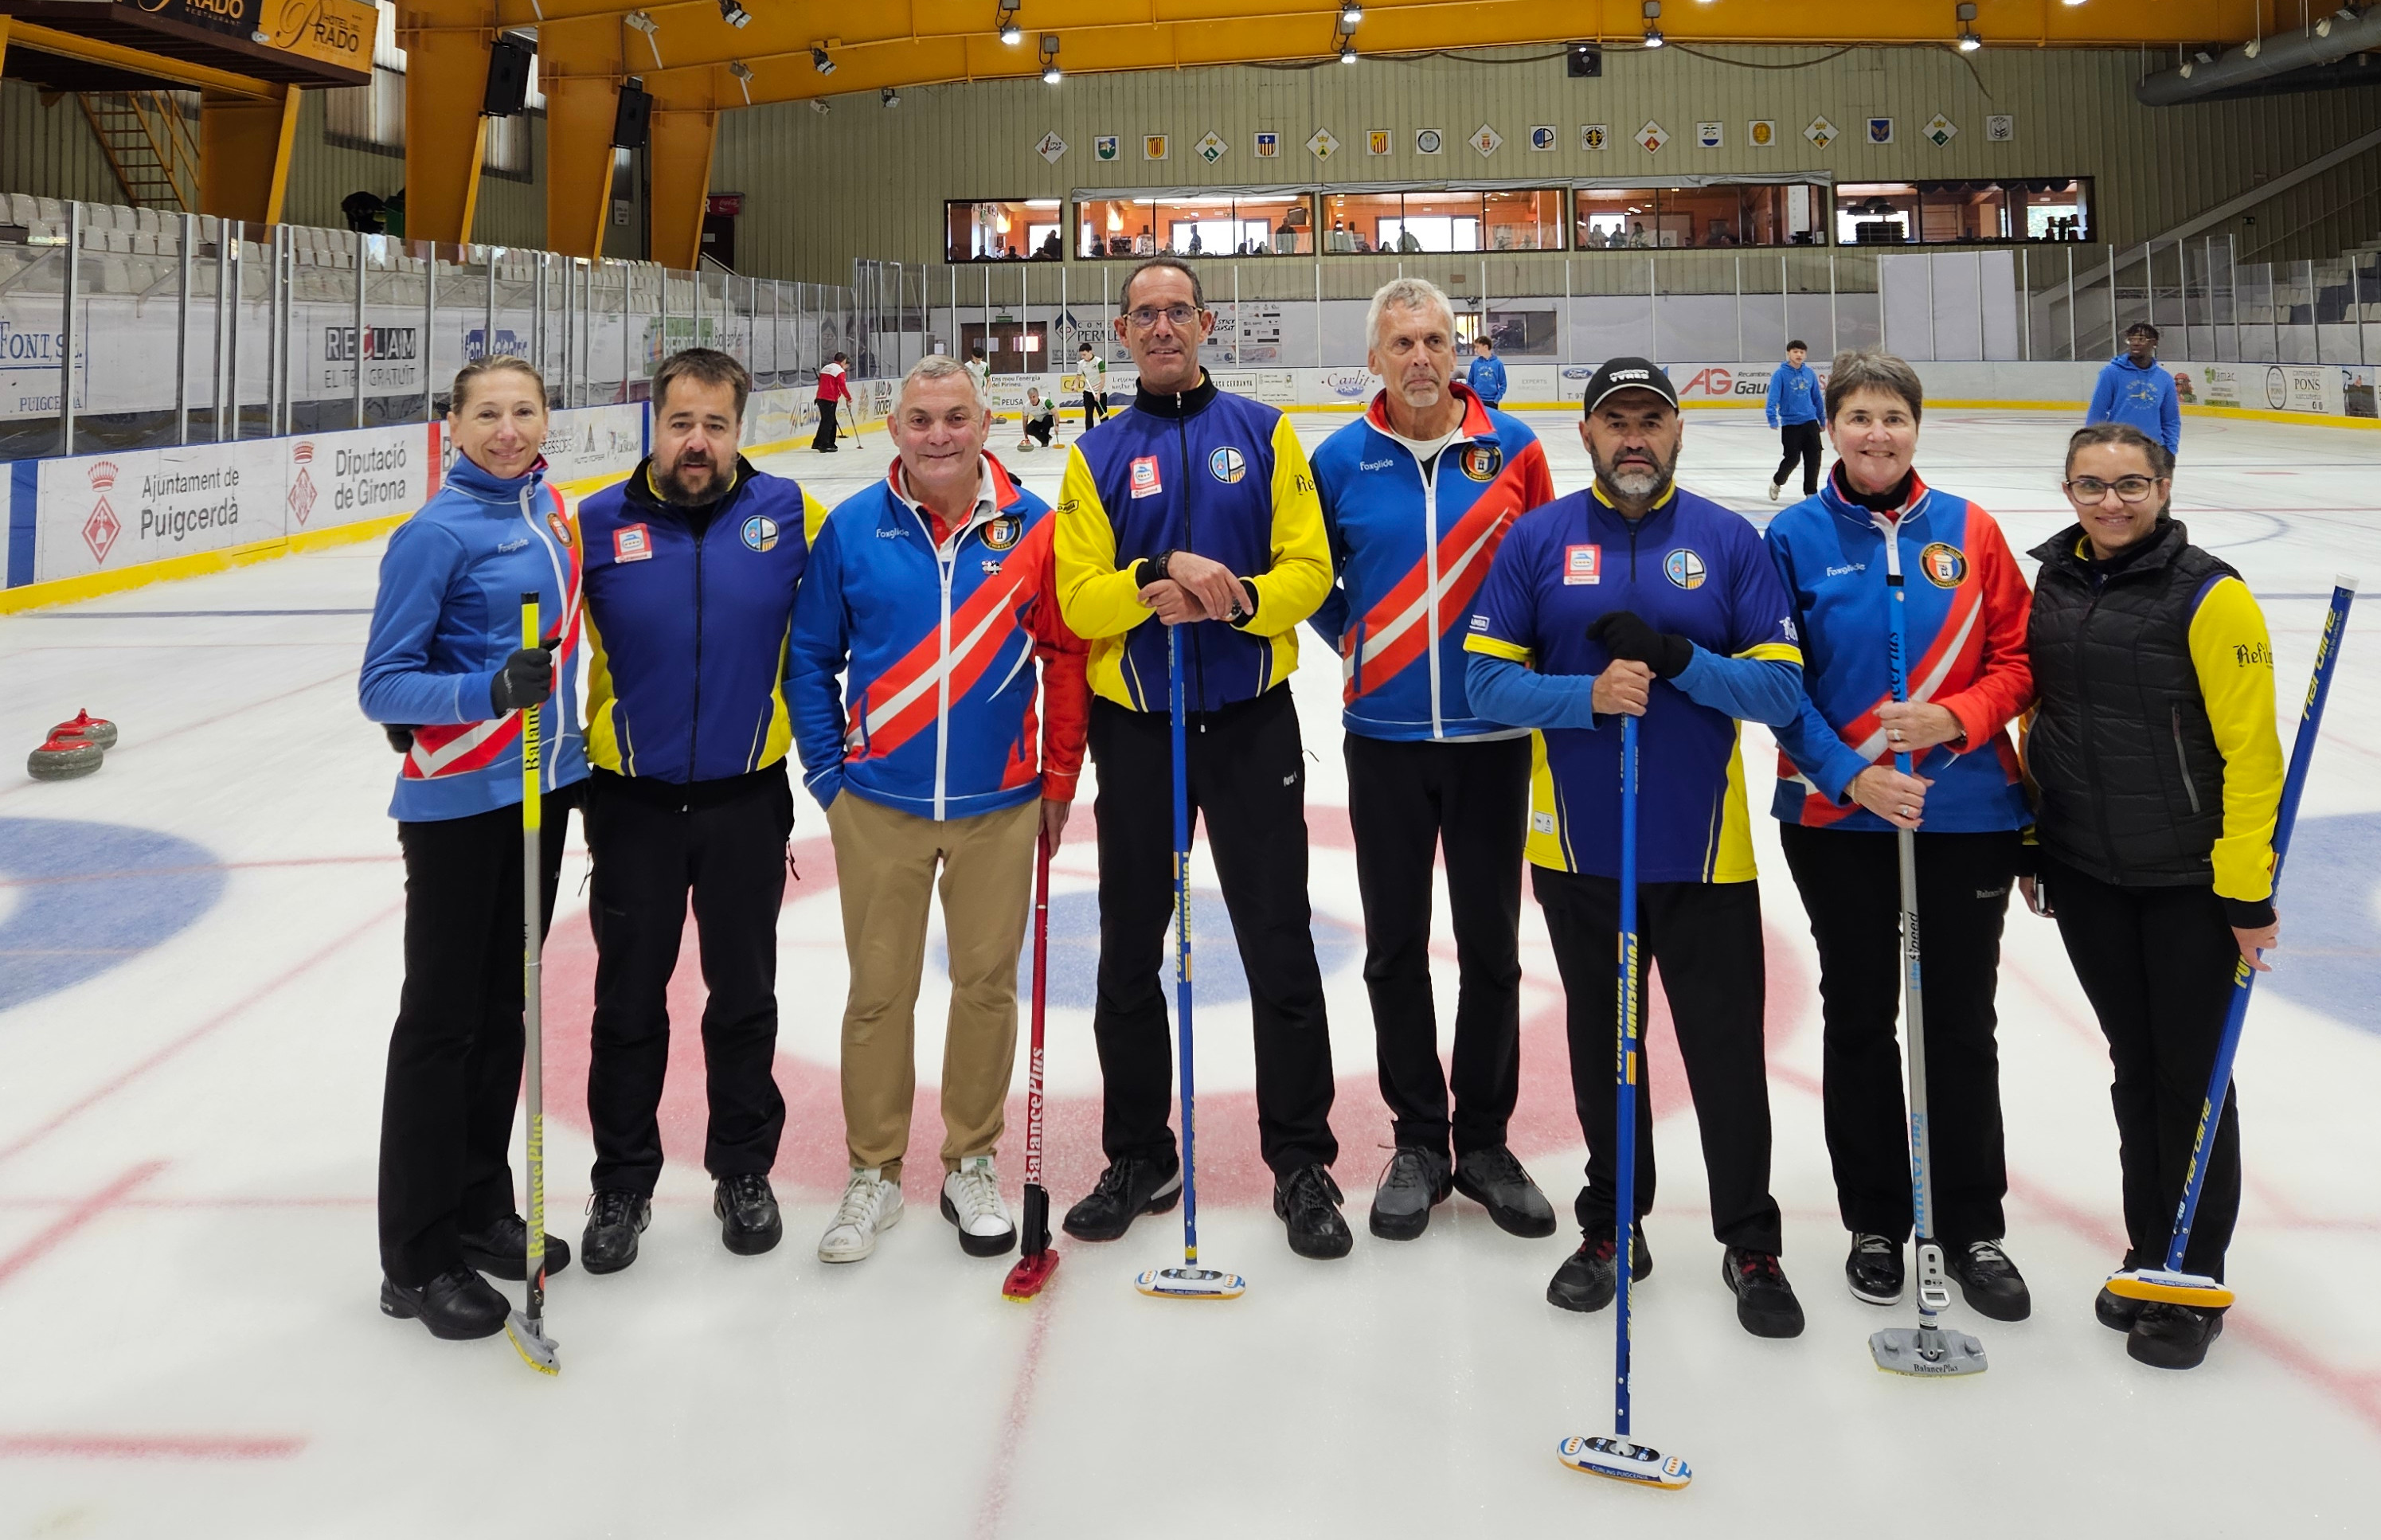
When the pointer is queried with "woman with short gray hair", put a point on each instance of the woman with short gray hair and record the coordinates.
(1874, 539)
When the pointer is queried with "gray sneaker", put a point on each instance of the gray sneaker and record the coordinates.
(1494, 1179)
(1413, 1182)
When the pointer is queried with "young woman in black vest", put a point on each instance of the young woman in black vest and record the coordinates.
(2159, 769)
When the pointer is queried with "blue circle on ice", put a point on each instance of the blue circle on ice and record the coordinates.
(92, 897)
(1215, 976)
(2328, 956)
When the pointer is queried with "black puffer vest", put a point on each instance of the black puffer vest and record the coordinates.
(2131, 785)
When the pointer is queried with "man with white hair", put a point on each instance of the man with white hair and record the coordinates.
(1416, 496)
(929, 596)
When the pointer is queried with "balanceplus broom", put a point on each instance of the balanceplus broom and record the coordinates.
(527, 1326)
(1190, 1281)
(2170, 1284)
(1036, 1261)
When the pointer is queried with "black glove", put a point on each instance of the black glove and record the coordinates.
(400, 738)
(526, 679)
(1622, 634)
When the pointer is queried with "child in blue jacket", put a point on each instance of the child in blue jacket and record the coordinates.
(2133, 389)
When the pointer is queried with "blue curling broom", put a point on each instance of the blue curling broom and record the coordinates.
(1619, 1457)
(1190, 1281)
(2170, 1284)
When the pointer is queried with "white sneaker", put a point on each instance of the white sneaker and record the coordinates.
(1773, 490)
(971, 1201)
(869, 1204)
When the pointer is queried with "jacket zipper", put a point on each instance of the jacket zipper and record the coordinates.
(943, 653)
(1429, 561)
(2183, 760)
(2090, 751)
(694, 724)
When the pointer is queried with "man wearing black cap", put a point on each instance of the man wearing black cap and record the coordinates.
(1636, 598)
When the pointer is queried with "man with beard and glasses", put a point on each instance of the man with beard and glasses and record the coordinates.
(1636, 598)
(691, 568)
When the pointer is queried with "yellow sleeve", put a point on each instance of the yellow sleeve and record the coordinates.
(1096, 599)
(604, 749)
(1301, 577)
(813, 514)
(2234, 660)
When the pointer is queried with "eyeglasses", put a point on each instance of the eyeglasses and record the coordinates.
(1179, 316)
(2087, 490)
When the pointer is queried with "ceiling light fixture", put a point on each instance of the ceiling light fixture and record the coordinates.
(1010, 32)
(743, 74)
(1653, 14)
(1347, 51)
(734, 13)
(888, 96)
(819, 62)
(1349, 14)
(818, 106)
(638, 21)
(1969, 41)
(1050, 73)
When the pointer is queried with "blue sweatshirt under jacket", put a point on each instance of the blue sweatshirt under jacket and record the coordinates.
(1794, 396)
(2141, 395)
(448, 614)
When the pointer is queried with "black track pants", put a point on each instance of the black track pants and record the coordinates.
(2156, 964)
(1707, 939)
(1850, 883)
(454, 1057)
(1248, 782)
(1799, 441)
(649, 856)
(1406, 803)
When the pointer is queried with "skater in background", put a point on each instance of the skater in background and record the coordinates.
(1636, 597)
(1430, 469)
(1039, 421)
(1792, 406)
(1197, 512)
(1840, 799)
(2135, 390)
(943, 571)
(692, 566)
(2155, 750)
(1095, 386)
(445, 670)
(834, 391)
(978, 367)
(1486, 373)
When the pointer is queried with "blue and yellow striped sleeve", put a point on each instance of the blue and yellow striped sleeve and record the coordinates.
(1096, 598)
(2233, 657)
(1300, 575)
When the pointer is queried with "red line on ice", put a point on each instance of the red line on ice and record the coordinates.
(54, 1234)
(144, 1445)
(1012, 1432)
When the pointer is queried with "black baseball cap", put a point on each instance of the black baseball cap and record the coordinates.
(1628, 374)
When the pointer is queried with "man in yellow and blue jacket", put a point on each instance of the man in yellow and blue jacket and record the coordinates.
(691, 568)
(1197, 509)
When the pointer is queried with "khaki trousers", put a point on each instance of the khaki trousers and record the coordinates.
(885, 861)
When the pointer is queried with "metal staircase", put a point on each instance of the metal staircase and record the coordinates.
(152, 143)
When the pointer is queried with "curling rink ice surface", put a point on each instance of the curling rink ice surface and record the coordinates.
(200, 960)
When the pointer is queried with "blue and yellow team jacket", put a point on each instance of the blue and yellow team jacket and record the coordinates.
(688, 614)
(1689, 567)
(937, 646)
(1205, 472)
(1412, 545)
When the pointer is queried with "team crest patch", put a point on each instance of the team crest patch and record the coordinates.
(1145, 482)
(1000, 534)
(632, 543)
(559, 525)
(1582, 564)
(760, 532)
(1943, 564)
(1226, 466)
(1684, 568)
(1482, 461)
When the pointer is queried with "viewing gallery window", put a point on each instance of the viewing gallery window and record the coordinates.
(1246, 226)
(1015, 230)
(1946, 213)
(1522, 220)
(1719, 214)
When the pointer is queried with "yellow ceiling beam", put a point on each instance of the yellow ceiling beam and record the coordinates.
(198, 76)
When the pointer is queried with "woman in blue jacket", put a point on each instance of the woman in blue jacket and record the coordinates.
(445, 671)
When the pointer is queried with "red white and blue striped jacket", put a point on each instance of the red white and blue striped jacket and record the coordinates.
(910, 675)
(1412, 546)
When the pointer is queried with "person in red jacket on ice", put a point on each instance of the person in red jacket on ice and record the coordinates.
(833, 391)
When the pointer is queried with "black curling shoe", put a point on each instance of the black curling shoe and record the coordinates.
(1765, 1304)
(749, 1221)
(1130, 1187)
(459, 1305)
(1587, 1279)
(1308, 1201)
(1873, 1270)
(2173, 1336)
(614, 1219)
(1989, 1281)
(501, 1249)
(2115, 1311)
(1500, 1184)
